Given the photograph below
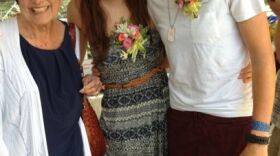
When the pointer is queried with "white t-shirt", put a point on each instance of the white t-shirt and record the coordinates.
(207, 56)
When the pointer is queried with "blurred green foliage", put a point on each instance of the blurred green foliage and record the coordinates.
(9, 8)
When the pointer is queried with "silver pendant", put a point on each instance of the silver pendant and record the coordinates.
(171, 34)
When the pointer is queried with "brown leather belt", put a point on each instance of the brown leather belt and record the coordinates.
(138, 81)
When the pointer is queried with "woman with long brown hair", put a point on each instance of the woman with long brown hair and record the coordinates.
(128, 52)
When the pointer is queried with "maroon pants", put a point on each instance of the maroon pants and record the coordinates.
(198, 134)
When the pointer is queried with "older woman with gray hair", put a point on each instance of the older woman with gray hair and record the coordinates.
(41, 85)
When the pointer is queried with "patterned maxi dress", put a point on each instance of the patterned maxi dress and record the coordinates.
(134, 119)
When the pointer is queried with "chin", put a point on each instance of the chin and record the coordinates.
(42, 21)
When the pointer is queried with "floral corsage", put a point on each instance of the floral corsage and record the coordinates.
(131, 38)
(190, 7)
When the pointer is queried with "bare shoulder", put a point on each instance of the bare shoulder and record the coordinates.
(73, 13)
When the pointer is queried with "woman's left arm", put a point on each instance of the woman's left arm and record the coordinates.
(91, 83)
(255, 34)
(74, 16)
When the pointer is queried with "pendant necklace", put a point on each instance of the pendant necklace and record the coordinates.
(171, 30)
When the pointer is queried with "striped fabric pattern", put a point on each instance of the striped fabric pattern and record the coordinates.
(134, 119)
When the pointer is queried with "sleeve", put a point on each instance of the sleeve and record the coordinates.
(87, 151)
(3, 148)
(243, 10)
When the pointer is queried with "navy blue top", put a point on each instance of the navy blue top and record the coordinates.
(58, 77)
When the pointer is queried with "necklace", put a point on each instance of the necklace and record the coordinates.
(171, 30)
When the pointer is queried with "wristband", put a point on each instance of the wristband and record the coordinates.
(251, 138)
(260, 126)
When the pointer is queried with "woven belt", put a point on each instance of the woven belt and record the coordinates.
(138, 81)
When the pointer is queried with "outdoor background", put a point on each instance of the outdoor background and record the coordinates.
(9, 8)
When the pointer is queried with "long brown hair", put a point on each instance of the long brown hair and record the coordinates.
(94, 23)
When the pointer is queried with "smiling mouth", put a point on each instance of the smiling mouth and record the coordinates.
(38, 10)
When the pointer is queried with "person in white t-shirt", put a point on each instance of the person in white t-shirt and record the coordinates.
(212, 111)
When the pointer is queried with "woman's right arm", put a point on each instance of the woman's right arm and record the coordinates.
(73, 13)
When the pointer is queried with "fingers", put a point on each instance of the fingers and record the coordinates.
(87, 79)
(247, 69)
(246, 77)
(95, 71)
(92, 85)
(93, 91)
(246, 74)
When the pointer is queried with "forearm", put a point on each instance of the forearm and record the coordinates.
(263, 92)
(83, 46)
(263, 87)
(263, 65)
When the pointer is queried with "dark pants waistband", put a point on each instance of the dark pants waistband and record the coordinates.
(199, 134)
